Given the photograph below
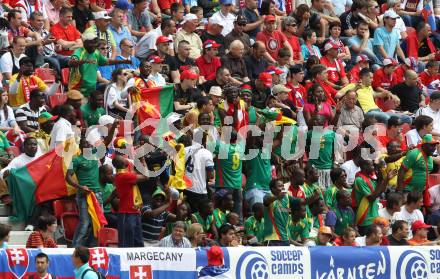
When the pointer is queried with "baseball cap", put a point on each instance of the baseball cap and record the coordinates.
(280, 88)
(390, 61)
(419, 224)
(246, 88)
(266, 78)
(187, 74)
(270, 18)
(391, 14)
(123, 5)
(74, 95)
(101, 15)
(45, 117)
(325, 230)
(429, 139)
(362, 58)
(241, 19)
(226, 2)
(216, 20)
(215, 91)
(211, 44)
(274, 70)
(215, 256)
(159, 191)
(163, 39)
(330, 45)
(189, 17)
(155, 59)
(105, 120)
(89, 36)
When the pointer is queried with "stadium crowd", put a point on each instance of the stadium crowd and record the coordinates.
(345, 93)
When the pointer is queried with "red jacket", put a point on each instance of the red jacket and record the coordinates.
(412, 43)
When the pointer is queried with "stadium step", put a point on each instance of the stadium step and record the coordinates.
(16, 226)
(18, 237)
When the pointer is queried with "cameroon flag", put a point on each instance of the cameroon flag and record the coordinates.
(152, 104)
(41, 180)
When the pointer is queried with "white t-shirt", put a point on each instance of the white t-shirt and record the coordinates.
(350, 169)
(62, 130)
(198, 159)
(6, 122)
(361, 240)
(383, 212)
(6, 62)
(434, 192)
(413, 138)
(113, 94)
(158, 79)
(410, 218)
(228, 21)
(433, 114)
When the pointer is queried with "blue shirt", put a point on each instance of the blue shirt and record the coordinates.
(89, 275)
(389, 41)
(135, 62)
(118, 36)
(305, 51)
(106, 71)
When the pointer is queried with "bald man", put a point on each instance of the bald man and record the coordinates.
(256, 63)
(234, 61)
(410, 95)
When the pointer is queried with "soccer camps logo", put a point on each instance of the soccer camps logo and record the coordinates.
(252, 265)
(412, 265)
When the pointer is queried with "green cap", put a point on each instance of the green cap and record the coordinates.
(159, 191)
(45, 116)
(429, 139)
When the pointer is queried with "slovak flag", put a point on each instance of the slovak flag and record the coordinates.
(429, 17)
(214, 272)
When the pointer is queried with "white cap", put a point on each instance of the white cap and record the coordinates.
(101, 15)
(173, 117)
(330, 45)
(390, 61)
(216, 20)
(390, 13)
(215, 91)
(189, 17)
(362, 58)
(105, 120)
(88, 36)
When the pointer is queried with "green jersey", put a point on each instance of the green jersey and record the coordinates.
(252, 115)
(206, 223)
(300, 230)
(330, 196)
(107, 190)
(417, 166)
(87, 172)
(219, 217)
(344, 219)
(367, 210)
(91, 116)
(276, 220)
(228, 165)
(288, 144)
(258, 173)
(217, 119)
(325, 142)
(253, 227)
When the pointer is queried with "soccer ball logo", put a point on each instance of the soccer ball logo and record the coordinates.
(260, 271)
(412, 265)
(419, 270)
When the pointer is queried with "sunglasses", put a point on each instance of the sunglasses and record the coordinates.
(129, 46)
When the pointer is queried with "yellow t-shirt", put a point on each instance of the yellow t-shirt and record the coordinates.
(365, 97)
(34, 82)
(392, 166)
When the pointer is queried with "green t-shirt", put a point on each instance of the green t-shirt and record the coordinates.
(252, 115)
(228, 165)
(4, 143)
(291, 138)
(91, 116)
(206, 224)
(330, 196)
(367, 211)
(107, 190)
(255, 228)
(219, 217)
(325, 142)
(89, 71)
(344, 219)
(276, 220)
(217, 118)
(299, 230)
(87, 172)
(258, 173)
(415, 164)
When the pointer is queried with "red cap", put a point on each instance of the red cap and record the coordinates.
(155, 59)
(390, 61)
(274, 70)
(417, 225)
(211, 44)
(215, 256)
(266, 78)
(163, 39)
(270, 18)
(187, 74)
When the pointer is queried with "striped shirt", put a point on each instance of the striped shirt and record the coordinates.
(152, 226)
(37, 240)
(168, 241)
(25, 113)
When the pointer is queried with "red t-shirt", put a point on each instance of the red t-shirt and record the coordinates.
(124, 183)
(335, 69)
(296, 46)
(70, 34)
(166, 4)
(384, 140)
(208, 69)
(426, 78)
(297, 95)
(274, 41)
(354, 74)
(382, 80)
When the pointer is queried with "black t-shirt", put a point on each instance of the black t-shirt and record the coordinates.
(219, 39)
(424, 49)
(191, 95)
(410, 97)
(259, 98)
(349, 21)
(395, 242)
(179, 63)
(251, 17)
(81, 18)
(255, 67)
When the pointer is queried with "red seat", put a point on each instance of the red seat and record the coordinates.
(57, 99)
(434, 179)
(67, 212)
(107, 237)
(46, 74)
(65, 72)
